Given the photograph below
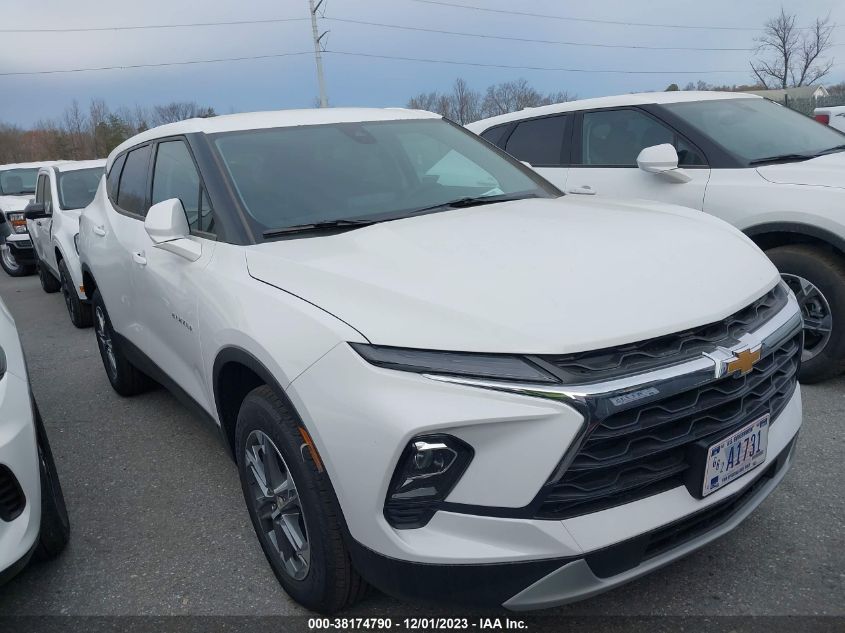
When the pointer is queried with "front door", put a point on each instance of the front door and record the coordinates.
(605, 149)
(39, 230)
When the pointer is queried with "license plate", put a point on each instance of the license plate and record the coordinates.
(735, 455)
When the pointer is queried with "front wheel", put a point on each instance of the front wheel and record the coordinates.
(80, 313)
(292, 506)
(11, 265)
(817, 277)
(54, 532)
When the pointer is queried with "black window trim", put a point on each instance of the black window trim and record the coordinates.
(576, 149)
(203, 189)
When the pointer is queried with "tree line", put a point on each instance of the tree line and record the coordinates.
(82, 133)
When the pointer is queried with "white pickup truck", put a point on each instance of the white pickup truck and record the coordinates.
(52, 218)
(834, 116)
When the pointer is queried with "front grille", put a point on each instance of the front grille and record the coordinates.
(12, 499)
(644, 450)
(643, 356)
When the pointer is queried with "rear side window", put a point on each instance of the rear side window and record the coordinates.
(495, 134)
(176, 176)
(539, 141)
(114, 176)
(132, 191)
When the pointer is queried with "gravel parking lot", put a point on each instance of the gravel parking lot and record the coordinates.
(159, 526)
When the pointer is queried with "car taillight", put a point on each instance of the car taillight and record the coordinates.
(823, 118)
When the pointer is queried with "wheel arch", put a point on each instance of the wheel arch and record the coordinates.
(773, 234)
(235, 373)
(88, 282)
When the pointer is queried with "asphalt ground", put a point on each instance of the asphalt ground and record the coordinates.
(159, 526)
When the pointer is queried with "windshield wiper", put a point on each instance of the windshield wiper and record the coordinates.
(473, 201)
(782, 158)
(832, 150)
(326, 225)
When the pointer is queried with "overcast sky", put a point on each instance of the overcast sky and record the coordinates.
(290, 81)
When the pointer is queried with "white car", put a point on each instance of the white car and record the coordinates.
(33, 516)
(434, 372)
(17, 188)
(773, 173)
(62, 191)
(834, 116)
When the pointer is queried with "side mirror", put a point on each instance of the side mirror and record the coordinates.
(35, 211)
(662, 160)
(168, 228)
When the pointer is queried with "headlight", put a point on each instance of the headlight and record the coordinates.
(425, 474)
(494, 366)
(76, 242)
(18, 222)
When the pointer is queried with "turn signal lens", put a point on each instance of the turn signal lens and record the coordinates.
(18, 222)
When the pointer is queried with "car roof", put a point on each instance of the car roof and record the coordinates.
(43, 163)
(271, 119)
(73, 165)
(641, 98)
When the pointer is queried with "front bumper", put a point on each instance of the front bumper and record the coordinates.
(19, 453)
(552, 582)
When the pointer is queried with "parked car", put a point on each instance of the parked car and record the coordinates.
(435, 373)
(769, 171)
(33, 517)
(62, 191)
(834, 116)
(17, 187)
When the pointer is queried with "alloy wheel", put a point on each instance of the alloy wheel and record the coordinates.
(275, 500)
(8, 258)
(66, 294)
(105, 341)
(815, 309)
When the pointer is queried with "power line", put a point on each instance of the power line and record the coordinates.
(547, 68)
(534, 40)
(377, 56)
(153, 26)
(593, 20)
(130, 66)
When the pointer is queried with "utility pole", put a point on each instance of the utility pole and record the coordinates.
(318, 56)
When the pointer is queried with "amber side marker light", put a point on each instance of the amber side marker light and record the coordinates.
(311, 448)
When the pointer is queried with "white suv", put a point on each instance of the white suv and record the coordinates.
(773, 173)
(433, 371)
(62, 191)
(33, 516)
(17, 188)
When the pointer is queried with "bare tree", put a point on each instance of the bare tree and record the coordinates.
(179, 111)
(424, 101)
(466, 102)
(795, 54)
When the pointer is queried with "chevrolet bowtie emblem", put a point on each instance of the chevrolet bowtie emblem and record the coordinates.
(743, 361)
(737, 361)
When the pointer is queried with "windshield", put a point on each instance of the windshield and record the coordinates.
(372, 170)
(18, 182)
(77, 187)
(757, 129)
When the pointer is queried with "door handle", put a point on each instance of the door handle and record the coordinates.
(139, 258)
(583, 190)
(99, 230)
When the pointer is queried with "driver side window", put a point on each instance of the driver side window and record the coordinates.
(176, 176)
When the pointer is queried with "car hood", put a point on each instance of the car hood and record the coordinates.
(824, 171)
(530, 276)
(14, 203)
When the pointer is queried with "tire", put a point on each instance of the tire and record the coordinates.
(49, 284)
(11, 265)
(329, 582)
(54, 533)
(80, 313)
(125, 378)
(817, 277)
